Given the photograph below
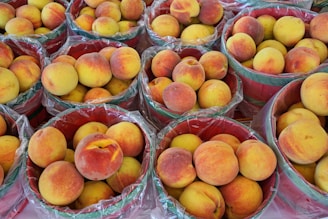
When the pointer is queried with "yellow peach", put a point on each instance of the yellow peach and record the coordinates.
(230, 139)
(315, 44)
(272, 43)
(187, 141)
(117, 86)
(6, 55)
(65, 58)
(306, 170)
(76, 95)
(197, 34)
(105, 26)
(163, 63)
(96, 95)
(269, 60)
(31, 13)
(7, 12)
(53, 15)
(267, 22)
(157, 86)
(318, 27)
(39, 3)
(165, 25)
(301, 60)
(215, 64)
(320, 176)
(9, 85)
(84, 21)
(3, 125)
(251, 26)
(108, 9)
(8, 147)
(184, 10)
(19, 26)
(132, 9)
(210, 12)
(241, 46)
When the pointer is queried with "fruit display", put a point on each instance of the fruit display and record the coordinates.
(219, 170)
(101, 160)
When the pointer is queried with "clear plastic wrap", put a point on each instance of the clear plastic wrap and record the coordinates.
(157, 113)
(12, 196)
(132, 200)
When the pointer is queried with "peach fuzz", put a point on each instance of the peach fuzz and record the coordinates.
(301, 60)
(76, 95)
(129, 136)
(215, 64)
(315, 44)
(6, 55)
(97, 95)
(179, 97)
(163, 63)
(92, 193)
(19, 26)
(31, 13)
(257, 161)
(184, 10)
(95, 63)
(320, 174)
(306, 170)
(117, 86)
(241, 46)
(251, 26)
(84, 21)
(2, 175)
(125, 63)
(211, 12)
(8, 147)
(128, 174)
(272, 43)
(64, 58)
(59, 78)
(187, 141)
(47, 145)
(9, 85)
(269, 60)
(314, 93)
(231, 140)
(267, 22)
(126, 25)
(7, 12)
(100, 147)
(190, 72)
(242, 197)
(39, 3)
(303, 141)
(88, 10)
(157, 86)
(53, 15)
(165, 25)
(222, 155)
(3, 125)
(60, 183)
(132, 9)
(105, 26)
(319, 27)
(108, 9)
(27, 57)
(107, 51)
(196, 34)
(174, 167)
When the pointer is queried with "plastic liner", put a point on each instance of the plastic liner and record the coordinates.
(131, 199)
(206, 127)
(11, 191)
(76, 46)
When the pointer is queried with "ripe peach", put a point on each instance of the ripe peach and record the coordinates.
(157, 86)
(39, 3)
(19, 26)
(76, 95)
(215, 64)
(47, 145)
(257, 161)
(203, 200)
(269, 60)
(100, 147)
(2, 175)
(84, 21)
(163, 63)
(190, 72)
(31, 13)
(303, 141)
(96, 95)
(59, 78)
(267, 22)
(69, 155)
(8, 147)
(306, 170)
(215, 163)
(211, 12)
(184, 10)
(272, 43)
(165, 25)
(318, 27)
(230, 139)
(174, 192)
(315, 44)
(187, 141)
(60, 183)
(132, 9)
(27, 57)
(128, 174)
(197, 34)
(129, 136)
(251, 26)
(6, 55)
(53, 15)
(7, 12)
(301, 60)
(108, 9)
(117, 86)
(174, 167)
(107, 51)
(179, 97)
(126, 25)
(65, 58)
(93, 69)
(42, 30)
(3, 125)
(214, 92)
(88, 10)
(320, 174)
(105, 26)
(9, 85)
(241, 46)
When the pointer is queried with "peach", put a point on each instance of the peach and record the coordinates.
(102, 148)
(93, 69)
(163, 63)
(315, 44)
(39, 3)
(257, 161)
(242, 197)
(211, 12)
(174, 167)
(269, 60)
(214, 92)
(88, 10)
(27, 57)
(76, 95)
(251, 26)
(92, 193)
(301, 60)
(241, 46)
(42, 30)
(289, 30)
(125, 63)
(8, 147)
(129, 136)
(190, 72)
(184, 10)
(306, 170)
(2, 175)
(7, 12)
(165, 25)
(86, 129)
(179, 97)
(108, 9)
(174, 192)
(19, 26)
(107, 51)
(93, 3)
(320, 174)
(197, 34)
(318, 27)
(105, 26)
(187, 141)
(314, 93)
(132, 9)
(60, 183)
(126, 25)
(230, 139)
(27, 73)
(128, 174)
(267, 22)
(53, 15)
(203, 200)
(84, 21)
(65, 58)
(215, 64)
(303, 141)
(31, 13)
(215, 163)
(272, 43)
(59, 78)
(97, 95)
(117, 86)
(157, 86)
(46, 146)
(3, 125)
(9, 85)
(6, 55)
(69, 155)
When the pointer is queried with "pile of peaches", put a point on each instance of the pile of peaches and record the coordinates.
(275, 45)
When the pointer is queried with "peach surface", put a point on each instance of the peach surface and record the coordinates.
(31, 13)
(6, 55)
(69, 155)
(108, 9)
(2, 175)
(65, 58)
(241, 46)
(269, 60)
(267, 22)
(7, 12)
(320, 174)
(174, 167)
(96, 95)
(318, 27)
(272, 43)
(187, 141)
(132, 9)
(163, 63)
(107, 51)
(3, 125)
(315, 44)
(39, 3)
(76, 95)
(117, 86)
(26, 57)
(211, 12)
(174, 192)
(215, 64)
(306, 170)
(184, 10)
(301, 60)
(222, 155)
(105, 26)
(126, 25)
(19, 26)
(9, 85)
(230, 139)
(84, 21)
(251, 26)
(157, 86)
(53, 15)
(60, 183)
(165, 25)
(8, 146)
(197, 34)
